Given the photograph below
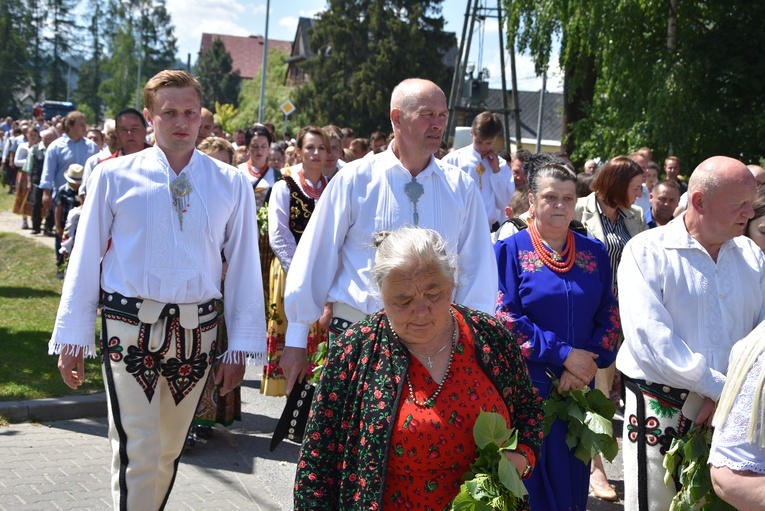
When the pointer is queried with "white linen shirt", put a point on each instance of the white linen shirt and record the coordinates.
(151, 257)
(682, 312)
(336, 251)
(496, 190)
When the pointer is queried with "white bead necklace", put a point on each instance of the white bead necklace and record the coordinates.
(431, 401)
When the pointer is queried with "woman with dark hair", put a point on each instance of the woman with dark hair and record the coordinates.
(262, 176)
(610, 216)
(292, 202)
(556, 299)
(755, 227)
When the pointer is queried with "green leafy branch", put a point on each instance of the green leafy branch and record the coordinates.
(686, 462)
(493, 482)
(588, 414)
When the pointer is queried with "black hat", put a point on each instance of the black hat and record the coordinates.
(292, 423)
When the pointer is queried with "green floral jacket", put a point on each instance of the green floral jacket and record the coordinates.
(343, 461)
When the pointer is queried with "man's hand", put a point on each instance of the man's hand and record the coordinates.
(293, 362)
(493, 161)
(72, 368)
(228, 377)
(706, 413)
(570, 382)
(582, 364)
(326, 317)
(47, 200)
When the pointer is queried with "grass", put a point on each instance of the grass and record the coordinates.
(29, 296)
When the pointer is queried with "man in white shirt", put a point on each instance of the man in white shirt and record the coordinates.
(403, 185)
(488, 170)
(157, 222)
(688, 291)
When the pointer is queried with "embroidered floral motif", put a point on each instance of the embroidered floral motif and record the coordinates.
(144, 366)
(652, 430)
(586, 261)
(183, 373)
(611, 338)
(113, 350)
(663, 410)
(530, 261)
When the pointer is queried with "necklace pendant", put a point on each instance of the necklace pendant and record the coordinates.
(556, 256)
(430, 363)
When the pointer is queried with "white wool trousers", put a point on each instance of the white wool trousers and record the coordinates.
(154, 374)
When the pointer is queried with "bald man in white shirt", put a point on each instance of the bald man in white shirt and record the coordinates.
(688, 291)
(403, 185)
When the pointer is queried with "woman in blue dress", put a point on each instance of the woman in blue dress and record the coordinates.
(555, 297)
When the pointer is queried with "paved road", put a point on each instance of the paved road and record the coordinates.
(65, 465)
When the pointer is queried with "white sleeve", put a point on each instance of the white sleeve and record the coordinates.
(648, 327)
(20, 157)
(280, 237)
(503, 185)
(76, 317)
(478, 281)
(243, 294)
(316, 260)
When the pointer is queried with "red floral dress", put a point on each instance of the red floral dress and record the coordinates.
(432, 448)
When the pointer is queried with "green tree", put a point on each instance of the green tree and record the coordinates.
(683, 77)
(361, 49)
(90, 77)
(35, 19)
(276, 94)
(13, 56)
(140, 35)
(214, 70)
(60, 42)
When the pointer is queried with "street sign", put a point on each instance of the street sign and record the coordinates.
(287, 107)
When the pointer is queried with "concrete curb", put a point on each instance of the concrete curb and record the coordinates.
(55, 409)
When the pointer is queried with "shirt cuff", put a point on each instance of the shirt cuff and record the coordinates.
(297, 335)
(712, 385)
(563, 352)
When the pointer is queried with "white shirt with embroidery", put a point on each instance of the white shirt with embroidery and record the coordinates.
(152, 256)
(682, 312)
(496, 190)
(336, 251)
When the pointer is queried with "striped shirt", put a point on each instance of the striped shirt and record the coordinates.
(616, 236)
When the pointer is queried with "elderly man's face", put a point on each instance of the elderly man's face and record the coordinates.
(421, 130)
(519, 176)
(206, 126)
(664, 201)
(728, 208)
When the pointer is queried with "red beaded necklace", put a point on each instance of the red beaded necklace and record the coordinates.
(312, 192)
(257, 174)
(557, 262)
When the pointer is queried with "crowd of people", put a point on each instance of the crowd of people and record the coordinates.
(441, 283)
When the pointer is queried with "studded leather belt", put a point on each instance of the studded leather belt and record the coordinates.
(150, 311)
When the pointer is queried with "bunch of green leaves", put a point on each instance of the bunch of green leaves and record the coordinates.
(263, 220)
(493, 482)
(588, 414)
(318, 358)
(686, 461)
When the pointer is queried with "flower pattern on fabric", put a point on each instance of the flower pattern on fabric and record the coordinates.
(663, 410)
(611, 338)
(350, 432)
(182, 372)
(530, 261)
(652, 430)
(586, 261)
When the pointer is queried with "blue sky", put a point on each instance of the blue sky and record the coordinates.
(248, 17)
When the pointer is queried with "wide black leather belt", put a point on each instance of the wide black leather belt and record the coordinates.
(132, 306)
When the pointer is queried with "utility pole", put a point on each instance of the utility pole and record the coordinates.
(262, 105)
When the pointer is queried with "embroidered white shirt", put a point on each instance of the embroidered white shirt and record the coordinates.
(336, 252)
(152, 257)
(496, 190)
(682, 312)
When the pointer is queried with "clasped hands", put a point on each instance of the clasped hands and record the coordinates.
(580, 369)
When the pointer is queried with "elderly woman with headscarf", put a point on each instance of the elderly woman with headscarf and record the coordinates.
(391, 425)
